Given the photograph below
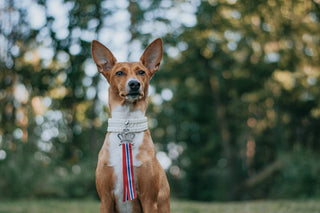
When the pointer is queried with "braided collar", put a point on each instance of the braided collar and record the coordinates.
(132, 125)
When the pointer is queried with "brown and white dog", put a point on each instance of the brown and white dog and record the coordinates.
(128, 91)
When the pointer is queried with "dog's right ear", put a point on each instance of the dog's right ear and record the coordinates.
(152, 56)
(103, 57)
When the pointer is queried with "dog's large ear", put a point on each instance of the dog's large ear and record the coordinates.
(103, 57)
(152, 56)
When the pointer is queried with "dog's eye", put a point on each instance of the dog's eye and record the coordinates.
(141, 72)
(120, 73)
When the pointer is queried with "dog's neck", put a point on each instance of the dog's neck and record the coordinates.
(127, 111)
(127, 117)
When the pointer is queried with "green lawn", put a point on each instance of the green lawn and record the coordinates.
(79, 206)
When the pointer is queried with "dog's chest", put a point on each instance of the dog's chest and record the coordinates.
(115, 160)
(115, 149)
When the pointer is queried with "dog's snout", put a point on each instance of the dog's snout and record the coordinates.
(134, 85)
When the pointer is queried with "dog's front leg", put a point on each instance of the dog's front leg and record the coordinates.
(105, 183)
(107, 204)
(149, 205)
(148, 186)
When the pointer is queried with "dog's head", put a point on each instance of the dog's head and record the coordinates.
(129, 81)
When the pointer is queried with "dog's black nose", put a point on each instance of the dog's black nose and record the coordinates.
(134, 85)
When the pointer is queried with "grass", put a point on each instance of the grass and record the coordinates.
(83, 206)
(283, 206)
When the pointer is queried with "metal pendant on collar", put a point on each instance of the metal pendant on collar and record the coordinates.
(126, 136)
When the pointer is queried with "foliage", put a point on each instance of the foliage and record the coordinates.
(246, 92)
(234, 109)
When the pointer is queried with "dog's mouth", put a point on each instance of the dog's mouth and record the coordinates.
(131, 95)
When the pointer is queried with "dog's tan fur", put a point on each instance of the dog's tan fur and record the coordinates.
(152, 187)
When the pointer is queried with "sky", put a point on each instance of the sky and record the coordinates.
(114, 33)
(115, 30)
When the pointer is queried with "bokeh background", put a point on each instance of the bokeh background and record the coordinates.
(234, 110)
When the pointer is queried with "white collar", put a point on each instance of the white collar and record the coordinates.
(132, 125)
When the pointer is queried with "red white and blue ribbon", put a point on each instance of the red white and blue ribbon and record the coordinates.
(129, 191)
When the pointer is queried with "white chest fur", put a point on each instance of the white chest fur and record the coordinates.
(115, 151)
(115, 161)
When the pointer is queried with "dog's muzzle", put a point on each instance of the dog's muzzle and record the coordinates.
(134, 88)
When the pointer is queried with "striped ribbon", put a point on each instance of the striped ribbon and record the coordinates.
(129, 191)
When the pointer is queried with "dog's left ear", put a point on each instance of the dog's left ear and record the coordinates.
(152, 56)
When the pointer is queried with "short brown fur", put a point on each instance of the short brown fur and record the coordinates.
(153, 190)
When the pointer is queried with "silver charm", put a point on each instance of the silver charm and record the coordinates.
(126, 136)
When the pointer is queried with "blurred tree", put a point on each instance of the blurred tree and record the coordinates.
(245, 93)
(234, 110)
(49, 102)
